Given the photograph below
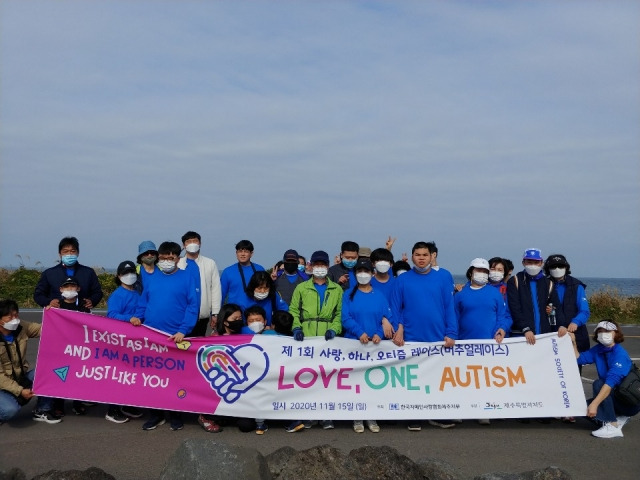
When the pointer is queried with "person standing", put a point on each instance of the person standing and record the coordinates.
(47, 291)
(210, 289)
(287, 282)
(343, 273)
(528, 294)
(170, 304)
(422, 309)
(316, 307)
(570, 299)
(235, 278)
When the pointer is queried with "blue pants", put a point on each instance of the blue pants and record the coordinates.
(610, 407)
(9, 406)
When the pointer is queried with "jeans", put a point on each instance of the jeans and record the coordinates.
(610, 407)
(9, 406)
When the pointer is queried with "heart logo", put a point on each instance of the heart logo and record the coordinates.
(232, 371)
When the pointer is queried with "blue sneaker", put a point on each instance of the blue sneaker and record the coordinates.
(262, 428)
(295, 426)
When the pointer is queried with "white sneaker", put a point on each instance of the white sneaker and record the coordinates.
(358, 426)
(607, 431)
(373, 426)
(622, 420)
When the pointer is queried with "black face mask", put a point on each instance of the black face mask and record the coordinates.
(291, 268)
(234, 326)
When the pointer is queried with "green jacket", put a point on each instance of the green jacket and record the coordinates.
(313, 316)
(10, 361)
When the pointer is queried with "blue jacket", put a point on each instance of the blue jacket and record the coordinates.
(612, 363)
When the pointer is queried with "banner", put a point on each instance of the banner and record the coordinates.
(93, 358)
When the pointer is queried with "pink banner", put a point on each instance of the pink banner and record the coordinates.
(93, 358)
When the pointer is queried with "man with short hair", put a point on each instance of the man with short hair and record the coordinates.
(235, 278)
(209, 279)
(316, 307)
(47, 291)
(423, 310)
(528, 294)
(170, 304)
(343, 273)
(292, 276)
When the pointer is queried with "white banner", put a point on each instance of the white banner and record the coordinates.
(341, 379)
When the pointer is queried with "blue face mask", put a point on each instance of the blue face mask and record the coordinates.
(349, 263)
(69, 260)
(300, 268)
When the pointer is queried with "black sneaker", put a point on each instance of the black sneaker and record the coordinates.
(154, 422)
(131, 412)
(78, 408)
(46, 417)
(114, 415)
(176, 422)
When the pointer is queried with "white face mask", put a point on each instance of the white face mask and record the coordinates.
(256, 327)
(363, 278)
(605, 338)
(129, 278)
(557, 272)
(320, 272)
(192, 248)
(532, 270)
(260, 295)
(69, 294)
(167, 266)
(382, 267)
(480, 278)
(12, 324)
(496, 276)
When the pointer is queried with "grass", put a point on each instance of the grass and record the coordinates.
(19, 285)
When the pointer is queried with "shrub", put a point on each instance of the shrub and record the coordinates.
(609, 303)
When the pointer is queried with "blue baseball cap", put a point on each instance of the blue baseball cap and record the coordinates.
(532, 254)
(320, 256)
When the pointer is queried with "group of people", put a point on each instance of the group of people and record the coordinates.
(362, 294)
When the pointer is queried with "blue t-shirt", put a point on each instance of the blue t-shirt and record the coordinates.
(480, 312)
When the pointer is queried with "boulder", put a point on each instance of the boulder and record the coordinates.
(13, 474)
(91, 473)
(278, 459)
(205, 459)
(434, 469)
(381, 463)
(318, 463)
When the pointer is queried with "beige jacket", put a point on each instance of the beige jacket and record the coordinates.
(11, 364)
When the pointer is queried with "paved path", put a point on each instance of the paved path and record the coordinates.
(128, 452)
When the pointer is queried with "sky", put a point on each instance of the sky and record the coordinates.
(487, 127)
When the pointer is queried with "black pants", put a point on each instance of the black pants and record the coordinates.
(200, 328)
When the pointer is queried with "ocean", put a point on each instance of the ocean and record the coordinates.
(627, 287)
